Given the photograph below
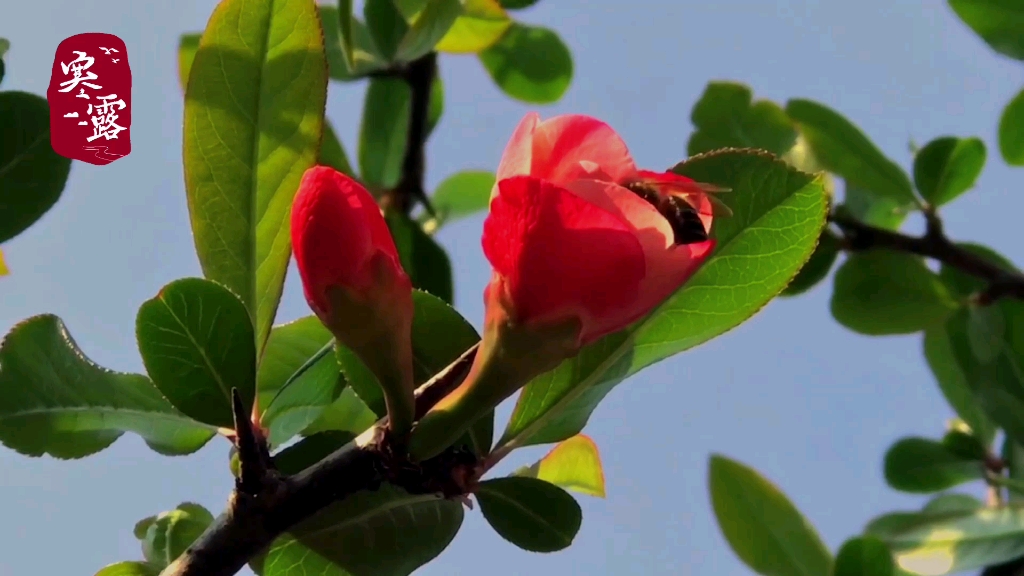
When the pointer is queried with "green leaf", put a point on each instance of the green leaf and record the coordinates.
(56, 401)
(129, 569)
(844, 150)
(254, 111)
(384, 132)
(188, 44)
(385, 533)
(1013, 456)
(952, 503)
(864, 556)
(778, 214)
(965, 445)
(818, 267)
(168, 534)
(883, 292)
(332, 153)
(197, 344)
(962, 285)
(315, 382)
(725, 116)
(1000, 23)
(947, 167)
(350, 50)
(5, 45)
(874, 209)
(386, 24)
(517, 4)
(463, 194)
(761, 525)
(574, 465)
(532, 514)
(953, 381)
(530, 63)
(481, 24)
(435, 108)
(934, 544)
(310, 450)
(924, 466)
(1011, 131)
(423, 259)
(429, 27)
(348, 413)
(32, 175)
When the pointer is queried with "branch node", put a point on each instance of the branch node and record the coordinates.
(254, 459)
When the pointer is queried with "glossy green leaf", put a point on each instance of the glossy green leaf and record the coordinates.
(961, 284)
(254, 111)
(384, 132)
(964, 444)
(32, 175)
(356, 43)
(947, 167)
(58, 402)
(844, 150)
(1013, 455)
(532, 514)
(726, 116)
(530, 63)
(884, 292)
(953, 381)
(332, 153)
(429, 27)
(385, 533)
(188, 44)
(874, 209)
(864, 556)
(423, 259)
(196, 342)
(463, 194)
(924, 466)
(1011, 131)
(952, 502)
(761, 525)
(778, 215)
(951, 542)
(129, 569)
(348, 414)
(168, 534)
(313, 382)
(818, 267)
(574, 465)
(386, 24)
(480, 25)
(1000, 23)
(310, 450)
(517, 4)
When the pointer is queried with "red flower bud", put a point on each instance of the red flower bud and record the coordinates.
(354, 281)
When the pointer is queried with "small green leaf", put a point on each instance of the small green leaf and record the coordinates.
(961, 284)
(761, 525)
(85, 408)
(924, 466)
(436, 106)
(197, 344)
(818, 267)
(346, 34)
(188, 45)
(463, 194)
(254, 110)
(952, 503)
(778, 215)
(517, 4)
(1011, 131)
(348, 44)
(874, 209)
(574, 465)
(844, 150)
(32, 175)
(5, 45)
(429, 27)
(310, 450)
(348, 414)
(864, 556)
(332, 153)
(481, 24)
(168, 534)
(883, 292)
(953, 381)
(1013, 456)
(423, 259)
(1000, 23)
(964, 445)
(725, 116)
(384, 132)
(129, 569)
(947, 167)
(532, 514)
(386, 24)
(387, 532)
(530, 63)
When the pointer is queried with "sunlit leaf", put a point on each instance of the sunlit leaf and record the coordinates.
(574, 465)
(481, 24)
(530, 63)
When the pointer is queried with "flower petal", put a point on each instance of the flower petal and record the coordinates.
(562, 143)
(516, 159)
(562, 256)
(668, 270)
(652, 229)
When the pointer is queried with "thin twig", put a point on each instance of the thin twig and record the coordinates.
(254, 461)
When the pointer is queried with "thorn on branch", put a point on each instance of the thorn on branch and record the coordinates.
(253, 453)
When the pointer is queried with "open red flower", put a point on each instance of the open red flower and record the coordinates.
(576, 231)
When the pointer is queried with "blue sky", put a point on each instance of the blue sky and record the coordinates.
(808, 403)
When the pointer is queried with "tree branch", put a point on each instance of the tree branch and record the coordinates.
(858, 236)
(419, 75)
(252, 521)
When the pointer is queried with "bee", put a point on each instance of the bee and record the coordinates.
(673, 201)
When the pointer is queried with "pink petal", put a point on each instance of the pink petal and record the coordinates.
(516, 159)
(561, 143)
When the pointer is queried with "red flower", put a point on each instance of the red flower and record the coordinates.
(354, 281)
(577, 232)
